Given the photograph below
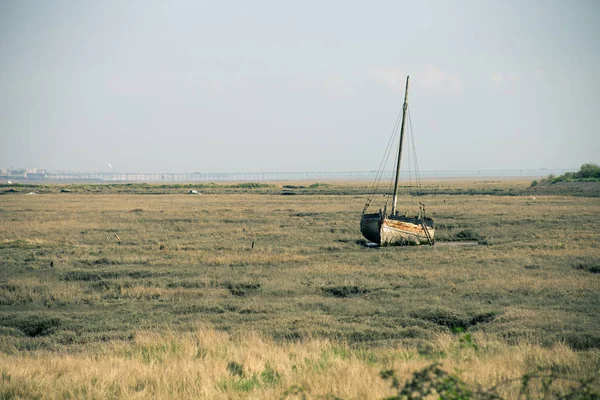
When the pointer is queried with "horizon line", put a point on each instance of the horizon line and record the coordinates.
(157, 177)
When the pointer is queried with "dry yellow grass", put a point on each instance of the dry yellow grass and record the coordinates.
(195, 365)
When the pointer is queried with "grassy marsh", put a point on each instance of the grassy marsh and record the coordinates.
(253, 269)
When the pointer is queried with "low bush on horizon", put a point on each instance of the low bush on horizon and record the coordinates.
(587, 173)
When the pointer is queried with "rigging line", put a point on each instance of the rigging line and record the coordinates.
(381, 170)
(391, 182)
(394, 145)
(414, 149)
(388, 149)
(384, 160)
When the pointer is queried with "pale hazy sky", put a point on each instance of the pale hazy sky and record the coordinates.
(224, 86)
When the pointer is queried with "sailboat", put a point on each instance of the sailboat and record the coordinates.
(394, 228)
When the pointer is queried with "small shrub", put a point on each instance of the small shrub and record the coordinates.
(467, 234)
(104, 261)
(293, 187)
(235, 369)
(294, 390)
(594, 268)
(434, 382)
(98, 276)
(331, 249)
(99, 286)
(270, 375)
(239, 384)
(32, 325)
(589, 170)
(242, 289)
(344, 291)
(320, 185)
(453, 320)
(581, 340)
(532, 267)
(466, 341)
(186, 284)
(427, 382)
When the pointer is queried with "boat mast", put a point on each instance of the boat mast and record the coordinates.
(404, 108)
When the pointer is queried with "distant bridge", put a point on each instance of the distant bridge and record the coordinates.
(132, 177)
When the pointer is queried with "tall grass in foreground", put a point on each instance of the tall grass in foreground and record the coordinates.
(209, 364)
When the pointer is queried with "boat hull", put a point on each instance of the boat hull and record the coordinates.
(369, 227)
(395, 230)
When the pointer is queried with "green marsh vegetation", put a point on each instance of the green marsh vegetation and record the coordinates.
(587, 173)
(157, 283)
(585, 182)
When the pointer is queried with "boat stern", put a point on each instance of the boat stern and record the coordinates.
(369, 227)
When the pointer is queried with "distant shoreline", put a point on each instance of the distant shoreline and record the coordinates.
(300, 181)
(196, 177)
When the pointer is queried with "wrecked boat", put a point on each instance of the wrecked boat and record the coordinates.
(394, 228)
